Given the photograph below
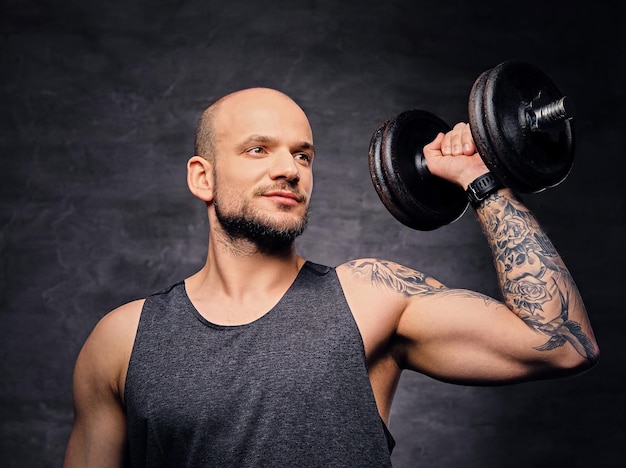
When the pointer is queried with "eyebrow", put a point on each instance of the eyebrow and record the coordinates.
(305, 145)
(253, 139)
(256, 139)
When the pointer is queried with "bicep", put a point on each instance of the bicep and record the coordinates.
(465, 337)
(98, 436)
(99, 431)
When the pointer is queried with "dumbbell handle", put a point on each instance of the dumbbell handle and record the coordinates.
(548, 115)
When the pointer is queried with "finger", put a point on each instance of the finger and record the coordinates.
(456, 138)
(435, 145)
(446, 144)
(469, 148)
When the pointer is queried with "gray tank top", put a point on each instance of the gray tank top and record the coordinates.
(290, 389)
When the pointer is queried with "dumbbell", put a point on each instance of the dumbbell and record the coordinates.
(522, 128)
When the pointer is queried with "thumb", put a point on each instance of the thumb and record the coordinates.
(435, 145)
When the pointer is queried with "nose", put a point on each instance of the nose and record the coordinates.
(284, 166)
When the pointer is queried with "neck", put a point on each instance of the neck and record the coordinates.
(239, 269)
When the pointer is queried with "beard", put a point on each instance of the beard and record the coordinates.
(248, 224)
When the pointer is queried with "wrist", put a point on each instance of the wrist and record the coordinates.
(481, 187)
(470, 175)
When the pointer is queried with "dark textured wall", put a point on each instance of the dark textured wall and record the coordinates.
(98, 106)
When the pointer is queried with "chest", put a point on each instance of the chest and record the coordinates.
(185, 374)
(293, 382)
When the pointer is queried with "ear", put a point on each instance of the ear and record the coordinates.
(200, 178)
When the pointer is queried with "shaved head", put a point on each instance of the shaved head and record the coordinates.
(208, 124)
(259, 144)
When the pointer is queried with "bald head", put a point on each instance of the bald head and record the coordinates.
(237, 106)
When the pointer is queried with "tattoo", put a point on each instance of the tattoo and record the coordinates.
(530, 271)
(391, 275)
(406, 281)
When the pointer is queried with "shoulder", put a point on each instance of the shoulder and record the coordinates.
(105, 354)
(118, 325)
(378, 292)
(386, 277)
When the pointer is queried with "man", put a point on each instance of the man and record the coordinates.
(263, 358)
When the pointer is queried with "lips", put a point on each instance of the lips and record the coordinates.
(284, 196)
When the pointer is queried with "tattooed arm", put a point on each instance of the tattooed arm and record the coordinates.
(534, 281)
(539, 329)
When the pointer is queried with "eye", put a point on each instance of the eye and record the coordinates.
(255, 150)
(304, 157)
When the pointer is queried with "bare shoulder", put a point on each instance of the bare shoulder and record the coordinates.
(378, 292)
(387, 277)
(106, 352)
(119, 325)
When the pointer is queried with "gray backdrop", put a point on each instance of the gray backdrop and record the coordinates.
(99, 101)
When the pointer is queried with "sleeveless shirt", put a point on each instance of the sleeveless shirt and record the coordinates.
(290, 389)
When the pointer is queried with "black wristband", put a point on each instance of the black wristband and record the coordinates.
(481, 188)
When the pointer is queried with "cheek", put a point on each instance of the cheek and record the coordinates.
(241, 173)
(232, 190)
(306, 182)
(228, 179)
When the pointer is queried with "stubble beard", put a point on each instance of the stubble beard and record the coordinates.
(248, 225)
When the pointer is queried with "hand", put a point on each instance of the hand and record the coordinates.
(453, 156)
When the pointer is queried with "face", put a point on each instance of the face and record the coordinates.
(263, 168)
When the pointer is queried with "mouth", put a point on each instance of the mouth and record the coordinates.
(284, 197)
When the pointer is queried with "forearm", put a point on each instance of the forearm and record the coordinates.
(535, 283)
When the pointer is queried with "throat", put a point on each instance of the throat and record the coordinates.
(237, 306)
(232, 314)
(241, 291)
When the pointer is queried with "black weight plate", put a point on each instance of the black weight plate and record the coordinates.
(429, 202)
(480, 134)
(529, 161)
(378, 178)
